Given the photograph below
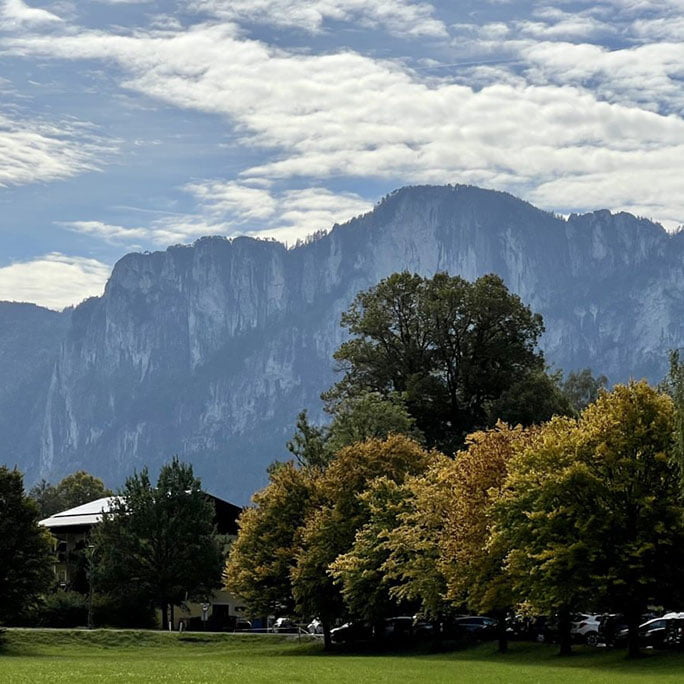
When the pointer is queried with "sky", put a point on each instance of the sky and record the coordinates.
(132, 125)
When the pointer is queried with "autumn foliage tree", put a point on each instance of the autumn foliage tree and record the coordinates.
(341, 511)
(413, 567)
(591, 512)
(472, 563)
(262, 558)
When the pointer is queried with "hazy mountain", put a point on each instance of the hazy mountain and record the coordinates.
(209, 351)
(30, 337)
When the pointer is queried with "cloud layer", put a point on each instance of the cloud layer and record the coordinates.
(321, 106)
(344, 114)
(54, 280)
(32, 151)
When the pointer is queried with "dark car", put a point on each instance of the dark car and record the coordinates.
(521, 628)
(674, 636)
(610, 626)
(654, 633)
(356, 630)
(546, 629)
(475, 627)
(242, 625)
(398, 628)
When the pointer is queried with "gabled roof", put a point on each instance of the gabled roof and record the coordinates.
(87, 514)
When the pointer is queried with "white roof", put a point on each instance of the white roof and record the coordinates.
(87, 514)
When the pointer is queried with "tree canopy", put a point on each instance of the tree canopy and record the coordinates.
(73, 490)
(448, 347)
(25, 548)
(160, 542)
(591, 511)
(262, 558)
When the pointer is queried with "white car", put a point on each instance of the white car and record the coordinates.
(315, 627)
(585, 628)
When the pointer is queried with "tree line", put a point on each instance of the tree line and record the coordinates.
(458, 474)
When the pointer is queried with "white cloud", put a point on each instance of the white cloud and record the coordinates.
(220, 197)
(161, 231)
(108, 232)
(346, 115)
(230, 208)
(399, 17)
(54, 280)
(661, 28)
(301, 213)
(647, 76)
(32, 151)
(16, 14)
(568, 26)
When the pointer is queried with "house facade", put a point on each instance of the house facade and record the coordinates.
(71, 530)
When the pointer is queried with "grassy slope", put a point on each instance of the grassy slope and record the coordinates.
(108, 656)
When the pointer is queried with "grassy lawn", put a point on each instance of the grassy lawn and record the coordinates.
(131, 656)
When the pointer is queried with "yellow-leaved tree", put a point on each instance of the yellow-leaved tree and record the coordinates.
(341, 512)
(472, 563)
(591, 513)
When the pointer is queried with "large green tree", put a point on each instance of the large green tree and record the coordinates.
(450, 348)
(25, 548)
(354, 418)
(160, 542)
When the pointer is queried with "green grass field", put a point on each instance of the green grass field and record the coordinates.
(132, 656)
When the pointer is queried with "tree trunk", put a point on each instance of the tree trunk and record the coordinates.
(564, 635)
(379, 631)
(501, 631)
(633, 617)
(164, 607)
(327, 641)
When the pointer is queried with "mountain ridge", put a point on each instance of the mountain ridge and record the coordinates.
(210, 350)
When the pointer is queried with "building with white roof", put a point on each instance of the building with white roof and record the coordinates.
(71, 530)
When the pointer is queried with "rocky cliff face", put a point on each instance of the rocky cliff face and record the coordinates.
(29, 344)
(209, 351)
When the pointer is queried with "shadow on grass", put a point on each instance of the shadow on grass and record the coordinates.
(519, 654)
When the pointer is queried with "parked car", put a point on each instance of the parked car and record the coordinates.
(585, 628)
(285, 625)
(356, 630)
(242, 625)
(674, 635)
(423, 629)
(475, 627)
(398, 628)
(315, 627)
(651, 633)
(545, 629)
(521, 628)
(610, 625)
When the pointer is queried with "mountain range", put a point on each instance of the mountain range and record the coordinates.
(210, 350)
